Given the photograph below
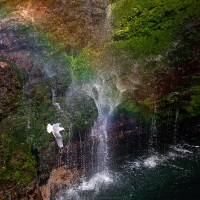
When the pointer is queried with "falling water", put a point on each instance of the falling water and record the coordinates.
(106, 99)
(176, 127)
(105, 102)
(92, 158)
(153, 134)
(57, 105)
(99, 130)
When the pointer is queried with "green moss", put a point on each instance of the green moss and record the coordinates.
(24, 130)
(20, 167)
(82, 66)
(82, 112)
(149, 27)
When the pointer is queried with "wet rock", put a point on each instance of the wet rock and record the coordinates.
(71, 163)
(82, 112)
(14, 47)
(80, 154)
(59, 176)
(126, 136)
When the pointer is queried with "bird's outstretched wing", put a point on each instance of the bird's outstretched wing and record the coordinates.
(57, 124)
(57, 128)
(49, 128)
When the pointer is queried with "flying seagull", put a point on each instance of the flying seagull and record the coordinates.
(55, 129)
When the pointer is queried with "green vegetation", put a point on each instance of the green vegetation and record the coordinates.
(150, 27)
(81, 65)
(21, 132)
(82, 112)
(24, 130)
(162, 38)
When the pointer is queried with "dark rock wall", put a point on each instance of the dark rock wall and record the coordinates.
(9, 89)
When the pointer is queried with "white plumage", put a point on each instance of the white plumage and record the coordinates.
(55, 129)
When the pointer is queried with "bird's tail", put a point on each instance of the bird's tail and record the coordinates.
(59, 142)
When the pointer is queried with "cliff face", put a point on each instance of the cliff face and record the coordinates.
(72, 24)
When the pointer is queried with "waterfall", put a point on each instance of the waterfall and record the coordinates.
(92, 155)
(105, 100)
(99, 131)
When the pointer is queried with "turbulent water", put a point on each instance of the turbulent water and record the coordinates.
(172, 175)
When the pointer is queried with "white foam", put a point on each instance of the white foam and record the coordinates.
(156, 159)
(151, 162)
(96, 182)
(181, 150)
(137, 164)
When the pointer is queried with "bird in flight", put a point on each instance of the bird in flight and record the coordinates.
(55, 129)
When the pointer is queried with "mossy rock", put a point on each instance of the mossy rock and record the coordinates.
(82, 111)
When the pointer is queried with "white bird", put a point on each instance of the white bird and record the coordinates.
(55, 129)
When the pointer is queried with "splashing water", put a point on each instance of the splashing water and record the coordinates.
(94, 185)
(153, 134)
(141, 177)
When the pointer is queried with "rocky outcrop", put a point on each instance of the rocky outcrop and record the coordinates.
(70, 23)
(60, 178)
